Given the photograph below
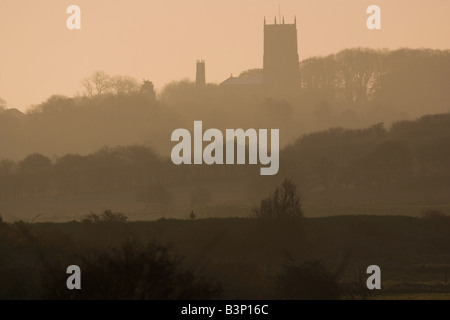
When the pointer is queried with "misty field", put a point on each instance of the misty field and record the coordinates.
(233, 198)
(228, 258)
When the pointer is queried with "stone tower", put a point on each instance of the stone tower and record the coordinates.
(281, 72)
(200, 78)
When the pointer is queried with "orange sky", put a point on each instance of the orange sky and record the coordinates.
(160, 40)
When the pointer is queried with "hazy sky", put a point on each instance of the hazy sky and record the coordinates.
(160, 40)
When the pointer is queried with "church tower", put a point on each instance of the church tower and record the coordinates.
(281, 72)
(200, 78)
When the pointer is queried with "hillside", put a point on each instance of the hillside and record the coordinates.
(401, 170)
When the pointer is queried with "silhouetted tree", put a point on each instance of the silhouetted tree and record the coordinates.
(35, 163)
(124, 85)
(96, 84)
(284, 203)
(7, 166)
(55, 103)
(252, 73)
(148, 90)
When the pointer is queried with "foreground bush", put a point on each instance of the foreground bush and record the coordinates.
(132, 271)
(106, 216)
(310, 280)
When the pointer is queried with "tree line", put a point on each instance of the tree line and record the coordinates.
(354, 88)
(409, 154)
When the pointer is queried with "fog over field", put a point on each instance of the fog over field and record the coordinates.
(193, 150)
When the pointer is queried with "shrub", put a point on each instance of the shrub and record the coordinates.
(434, 215)
(106, 216)
(310, 280)
(436, 218)
(132, 271)
(283, 203)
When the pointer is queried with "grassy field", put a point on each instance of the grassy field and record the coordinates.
(245, 256)
(416, 296)
(235, 201)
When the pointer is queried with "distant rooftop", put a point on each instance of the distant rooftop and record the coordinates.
(235, 81)
(13, 112)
